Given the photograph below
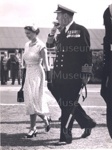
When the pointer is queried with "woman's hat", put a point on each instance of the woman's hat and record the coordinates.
(34, 28)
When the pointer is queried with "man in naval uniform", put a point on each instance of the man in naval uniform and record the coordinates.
(106, 88)
(72, 67)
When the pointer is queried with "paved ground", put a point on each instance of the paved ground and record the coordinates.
(15, 123)
(9, 94)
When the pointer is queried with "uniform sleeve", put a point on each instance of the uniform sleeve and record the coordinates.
(106, 17)
(87, 64)
(108, 25)
(50, 41)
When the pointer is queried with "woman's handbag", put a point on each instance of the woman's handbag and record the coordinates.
(20, 96)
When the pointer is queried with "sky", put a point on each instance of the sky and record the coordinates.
(16, 13)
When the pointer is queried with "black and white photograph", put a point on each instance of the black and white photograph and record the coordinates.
(55, 74)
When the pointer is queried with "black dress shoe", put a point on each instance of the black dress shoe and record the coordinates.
(68, 140)
(86, 133)
(92, 125)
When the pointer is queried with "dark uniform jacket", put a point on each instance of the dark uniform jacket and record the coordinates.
(72, 53)
(106, 86)
(107, 40)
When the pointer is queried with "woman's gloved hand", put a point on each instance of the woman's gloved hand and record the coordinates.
(23, 78)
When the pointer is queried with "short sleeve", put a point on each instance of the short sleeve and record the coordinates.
(42, 46)
(26, 46)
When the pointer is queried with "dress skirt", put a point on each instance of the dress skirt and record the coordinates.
(34, 90)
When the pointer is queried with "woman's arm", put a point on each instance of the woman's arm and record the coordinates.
(45, 63)
(45, 59)
(23, 75)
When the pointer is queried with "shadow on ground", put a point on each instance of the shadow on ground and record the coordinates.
(20, 140)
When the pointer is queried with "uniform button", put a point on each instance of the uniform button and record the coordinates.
(63, 50)
(56, 60)
(56, 65)
(61, 65)
(62, 55)
(61, 60)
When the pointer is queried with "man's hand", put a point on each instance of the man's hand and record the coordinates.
(53, 30)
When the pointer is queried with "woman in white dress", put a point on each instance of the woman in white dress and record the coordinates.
(35, 52)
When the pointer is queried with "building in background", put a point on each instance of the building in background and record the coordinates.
(12, 38)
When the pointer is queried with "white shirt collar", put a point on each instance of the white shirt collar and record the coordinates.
(68, 26)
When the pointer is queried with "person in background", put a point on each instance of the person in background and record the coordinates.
(15, 66)
(106, 86)
(17, 54)
(4, 69)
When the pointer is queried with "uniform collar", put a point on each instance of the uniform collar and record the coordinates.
(68, 26)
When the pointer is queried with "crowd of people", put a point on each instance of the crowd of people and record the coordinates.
(12, 64)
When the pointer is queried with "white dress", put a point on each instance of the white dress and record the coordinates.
(34, 80)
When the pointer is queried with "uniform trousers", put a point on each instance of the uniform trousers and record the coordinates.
(66, 95)
(106, 93)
